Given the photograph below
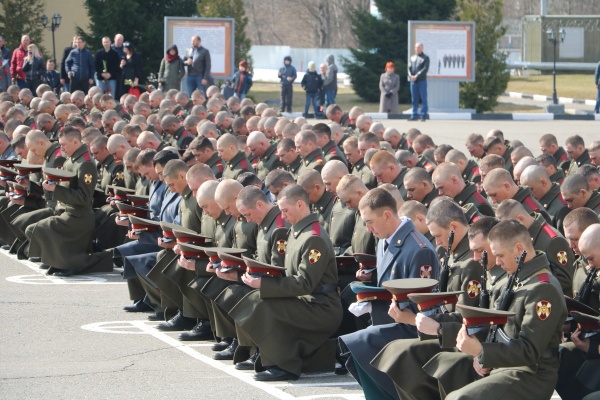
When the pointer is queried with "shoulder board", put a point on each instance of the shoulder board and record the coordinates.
(549, 231)
(57, 152)
(563, 157)
(316, 228)
(428, 167)
(475, 170)
(475, 218)
(219, 166)
(544, 278)
(531, 203)
(279, 222)
(478, 197)
(561, 199)
(419, 241)
(333, 151)
(319, 160)
(243, 163)
(87, 157)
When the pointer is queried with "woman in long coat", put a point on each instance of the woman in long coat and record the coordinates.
(171, 70)
(389, 84)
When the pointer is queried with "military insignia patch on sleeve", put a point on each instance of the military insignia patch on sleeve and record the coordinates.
(87, 178)
(120, 176)
(425, 271)
(314, 255)
(562, 257)
(281, 246)
(543, 308)
(473, 289)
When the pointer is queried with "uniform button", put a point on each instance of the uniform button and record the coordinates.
(460, 202)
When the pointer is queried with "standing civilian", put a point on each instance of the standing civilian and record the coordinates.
(17, 60)
(52, 77)
(34, 67)
(242, 80)
(287, 75)
(197, 59)
(64, 78)
(417, 75)
(5, 53)
(312, 83)
(330, 83)
(118, 47)
(171, 70)
(107, 67)
(80, 67)
(389, 84)
(5, 56)
(132, 70)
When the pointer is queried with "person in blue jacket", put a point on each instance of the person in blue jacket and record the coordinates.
(287, 75)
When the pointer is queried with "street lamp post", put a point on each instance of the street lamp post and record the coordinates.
(55, 23)
(554, 38)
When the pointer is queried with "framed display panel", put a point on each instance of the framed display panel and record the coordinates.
(217, 36)
(449, 45)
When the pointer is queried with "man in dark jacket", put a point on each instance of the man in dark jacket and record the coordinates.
(417, 75)
(312, 83)
(330, 82)
(64, 77)
(287, 75)
(107, 67)
(80, 67)
(5, 52)
(197, 60)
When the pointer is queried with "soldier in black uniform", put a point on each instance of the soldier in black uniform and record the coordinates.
(575, 147)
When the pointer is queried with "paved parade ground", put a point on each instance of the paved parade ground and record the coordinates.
(68, 338)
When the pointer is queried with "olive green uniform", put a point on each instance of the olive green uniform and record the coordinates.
(471, 172)
(64, 240)
(216, 165)
(108, 233)
(323, 207)
(294, 168)
(470, 195)
(399, 182)
(341, 226)
(268, 162)
(555, 206)
(332, 152)
(238, 164)
(583, 159)
(594, 202)
(557, 177)
(531, 205)
(430, 197)
(361, 170)
(426, 164)
(291, 318)
(561, 258)
(314, 160)
(524, 368)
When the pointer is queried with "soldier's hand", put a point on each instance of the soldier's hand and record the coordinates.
(362, 276)
(165, 245)
(583, 345)
(252, 282)
(121, 222)
(479, 369)
(23, 181)
(468, 344)
(426, 325)
(131, 236)
(228, 276)
(190, 265)
(48, 187)
(404, 316)
(177, 250)
(210, 269)
(19, 201)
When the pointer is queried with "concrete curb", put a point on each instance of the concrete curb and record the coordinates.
(479, 117)
(539, 97)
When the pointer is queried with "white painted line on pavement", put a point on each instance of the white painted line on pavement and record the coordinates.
(144, 328)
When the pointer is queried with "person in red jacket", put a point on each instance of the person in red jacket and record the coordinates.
(17, 60)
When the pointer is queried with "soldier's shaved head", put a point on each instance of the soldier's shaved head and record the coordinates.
(498, 177)
(588, 245)
(207, 191)
(445, 171)
(521, 165)
(309, 179)
(331, 174)
(574, 184)
(227, 140)
(116, 140)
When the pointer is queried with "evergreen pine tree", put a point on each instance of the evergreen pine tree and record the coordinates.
(491, 75)
(385, 39)
(140, 21)
(19, 18)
